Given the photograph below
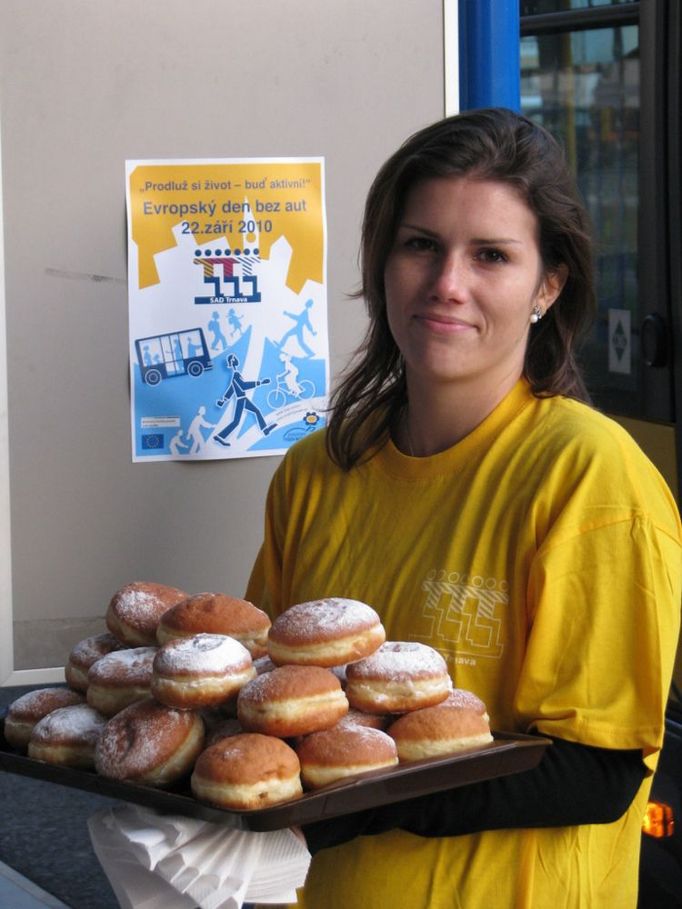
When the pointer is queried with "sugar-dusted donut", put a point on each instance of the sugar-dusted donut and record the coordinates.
(291, 701)
(134, 611)
(346, 750)
(398, 677)
(67, 736)
(24, 712)
(247, 771)
(84, 654)
(120, 678)
(204, 670)
(150, 743)
(328, 632)
(360, 718)
(466, 700)
(451, 726)
(217, 613)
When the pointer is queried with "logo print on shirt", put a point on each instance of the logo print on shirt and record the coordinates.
(462, 608)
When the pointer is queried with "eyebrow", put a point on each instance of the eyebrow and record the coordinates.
(483, 241)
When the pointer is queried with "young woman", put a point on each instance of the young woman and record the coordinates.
(468, 492)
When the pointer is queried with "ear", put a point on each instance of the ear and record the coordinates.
(552, 284)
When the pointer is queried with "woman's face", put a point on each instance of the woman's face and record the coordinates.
(461, 281)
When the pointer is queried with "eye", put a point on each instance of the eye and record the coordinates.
(418, 243)
(491, 255)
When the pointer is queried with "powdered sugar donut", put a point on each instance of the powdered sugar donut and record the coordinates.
(360, 718)
(291, 701)
(398, 677)
(24, 712)
(451, 726)
(67, 736)
(466, 700)
(150, 743)
(246, 772)
(84, 654)
(120, 678)
(217, 613)
(135, 609)
(200, 671)
(328, 632)
(344, 751)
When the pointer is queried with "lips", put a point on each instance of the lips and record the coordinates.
(442, 324)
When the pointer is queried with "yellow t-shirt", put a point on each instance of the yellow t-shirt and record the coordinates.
(541, 556)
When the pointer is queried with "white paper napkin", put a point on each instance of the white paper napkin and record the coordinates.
(158, 861)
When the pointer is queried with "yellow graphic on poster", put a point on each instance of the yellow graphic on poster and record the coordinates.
(227, 306)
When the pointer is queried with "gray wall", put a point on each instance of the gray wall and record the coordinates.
(85, 84)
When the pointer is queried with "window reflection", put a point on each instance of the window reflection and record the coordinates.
(537, 7)
(584, 87)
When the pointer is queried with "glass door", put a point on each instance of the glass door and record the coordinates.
(593, 73)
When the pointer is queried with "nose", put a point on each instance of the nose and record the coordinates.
(449, 282)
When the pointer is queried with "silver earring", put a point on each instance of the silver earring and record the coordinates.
(536, 315)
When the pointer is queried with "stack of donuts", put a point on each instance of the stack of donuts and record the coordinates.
(204, 687)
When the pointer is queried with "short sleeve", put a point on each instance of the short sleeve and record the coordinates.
(604, 624)
(264, 587)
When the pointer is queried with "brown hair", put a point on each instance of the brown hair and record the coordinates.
(491, 144)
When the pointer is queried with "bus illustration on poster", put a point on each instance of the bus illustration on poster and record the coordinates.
(229, 350)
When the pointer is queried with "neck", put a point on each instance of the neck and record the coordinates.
(436, 419)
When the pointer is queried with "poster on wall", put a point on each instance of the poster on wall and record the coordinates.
(229, 353)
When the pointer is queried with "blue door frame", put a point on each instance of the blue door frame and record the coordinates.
(489, 54)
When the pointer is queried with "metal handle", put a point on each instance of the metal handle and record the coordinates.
(654, 340)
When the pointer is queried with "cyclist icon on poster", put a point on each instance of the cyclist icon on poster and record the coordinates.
(289, 374)
(302, 320)
(289, 385)
(237, 387)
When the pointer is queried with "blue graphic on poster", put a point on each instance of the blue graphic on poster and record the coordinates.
(227, 306)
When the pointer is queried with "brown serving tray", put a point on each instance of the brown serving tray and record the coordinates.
(508, 753)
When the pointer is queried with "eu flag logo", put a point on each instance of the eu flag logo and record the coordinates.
(152, 441)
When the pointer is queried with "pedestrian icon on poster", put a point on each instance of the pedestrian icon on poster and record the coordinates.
(235, 324)
(219, 342)
(237, 387)
(194, 433)
(176, 446)
(302, 321)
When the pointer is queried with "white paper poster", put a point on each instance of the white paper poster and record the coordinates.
(229, 353)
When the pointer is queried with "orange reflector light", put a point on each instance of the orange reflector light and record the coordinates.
(658, 820)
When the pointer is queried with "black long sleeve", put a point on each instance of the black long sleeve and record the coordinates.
(573, 784)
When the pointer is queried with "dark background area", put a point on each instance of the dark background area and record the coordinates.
(44, 835)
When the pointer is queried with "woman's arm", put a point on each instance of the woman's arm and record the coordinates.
(573, 784)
